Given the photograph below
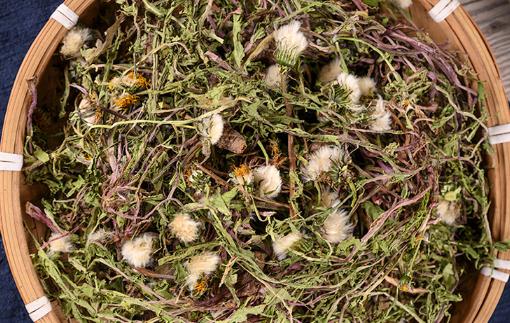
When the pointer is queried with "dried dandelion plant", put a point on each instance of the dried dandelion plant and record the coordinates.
(269, 161)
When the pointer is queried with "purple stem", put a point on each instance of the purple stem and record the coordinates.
(37, 214)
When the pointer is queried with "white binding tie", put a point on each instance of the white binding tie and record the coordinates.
(38, 308)
(65, 16)
(496, 274)
(499, 134)
(443, 9)
(11, 162)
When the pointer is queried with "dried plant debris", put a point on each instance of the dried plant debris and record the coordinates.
(276, 161)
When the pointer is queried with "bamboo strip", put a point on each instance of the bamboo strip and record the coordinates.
(14, 237)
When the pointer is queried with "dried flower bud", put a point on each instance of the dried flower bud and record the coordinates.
(211, 128)
(321, 161)
(350, 82)
(381, 118)
(329, 199)
(283, 244)
(231, 140)
(268, 181)
(128, 81)
(337, 227)
(184, 228)
(204, 264)
(330, 71)
(290, 43)
(243, 175)
(138, 252)
(273, 77)
(447, 211)
(87, 111)
(366, 85)
(99, 236)
(74, 41)
(125, 101)
(60, 243)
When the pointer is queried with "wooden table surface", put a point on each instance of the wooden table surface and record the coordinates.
(493, 18)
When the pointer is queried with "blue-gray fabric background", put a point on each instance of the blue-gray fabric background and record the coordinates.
(20, 22)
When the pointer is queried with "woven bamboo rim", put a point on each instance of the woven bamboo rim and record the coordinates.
(458, 31)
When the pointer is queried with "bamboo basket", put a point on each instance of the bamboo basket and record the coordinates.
(458, 32)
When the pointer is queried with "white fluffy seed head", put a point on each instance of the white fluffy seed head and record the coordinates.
(138, 251)
(329, 199)
(184, 228)
(99, 236)
(273, 77)
(448, 212)
(290, 43)
(87, 111)
(59, 243)
(350, 82)
(74, 41)
(283, 244)
(321, 161)
(381, 118)
(404, 4)
(330, 71)
(337, 227)
(268, 181)
(366, 85)
(381, 123)
(357, 108)
(212, 128)
(204, 264)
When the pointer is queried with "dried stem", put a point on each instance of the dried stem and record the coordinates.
(290, 145)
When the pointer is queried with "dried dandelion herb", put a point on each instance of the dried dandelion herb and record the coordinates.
(260, 161)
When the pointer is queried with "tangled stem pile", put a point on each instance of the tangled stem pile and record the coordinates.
(258, 161)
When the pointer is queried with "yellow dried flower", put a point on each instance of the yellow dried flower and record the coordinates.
(199, 266)
(241, 170)
(98, 114)
(275, 150)
(126, 101)
(187, 174)
(201, 286)
(243, 175)
(138, 80)
(278, 158)
(129, 80)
